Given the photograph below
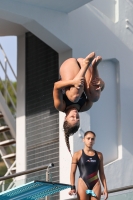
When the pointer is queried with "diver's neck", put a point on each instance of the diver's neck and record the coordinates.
(88, 149)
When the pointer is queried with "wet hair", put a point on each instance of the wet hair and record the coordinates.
(89, 132)
(68, 131)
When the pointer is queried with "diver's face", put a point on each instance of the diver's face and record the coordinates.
(89, 140)
(72, 116)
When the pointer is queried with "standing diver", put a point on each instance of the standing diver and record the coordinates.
(89, 162)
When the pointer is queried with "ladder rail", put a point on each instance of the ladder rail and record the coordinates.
(8, 117)
(8, 95)
(8, 79)
(6, 59)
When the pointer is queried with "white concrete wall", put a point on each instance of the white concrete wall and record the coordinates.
(20, 120)
(92, 28)
(105, 114)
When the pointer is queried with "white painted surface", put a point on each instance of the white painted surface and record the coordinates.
(108, 8)
(64, 158)
(105, 113)
(56, 5)
(20, 121)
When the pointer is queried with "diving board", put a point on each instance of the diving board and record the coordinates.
(34, 190)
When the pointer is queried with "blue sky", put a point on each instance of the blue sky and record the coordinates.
(9, 44)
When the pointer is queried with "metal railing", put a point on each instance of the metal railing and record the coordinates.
(8, 96)
(29, 171)
(36, 169)
(120, 189)
(121, 193)
(5, 67)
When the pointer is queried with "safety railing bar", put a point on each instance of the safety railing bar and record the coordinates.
(9, 96)
(12, 88)
(9, 170)
(8, 61)
(11, 68)
(11, 185)
(120, 189)
(6, 138)
(8, 79)
(27, 172)
(5, 86)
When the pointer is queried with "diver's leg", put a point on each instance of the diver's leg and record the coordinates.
(70, 68)
(97, 190)
(81, 190)
(93, 83)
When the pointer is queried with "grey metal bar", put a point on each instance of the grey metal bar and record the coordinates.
(121, 189)
(47, 179)
(27, 172)
(8, 61)
(8, 94)
(8, 79)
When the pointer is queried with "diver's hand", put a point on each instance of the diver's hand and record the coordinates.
(105, 193)
(78, 82)
(72, 192)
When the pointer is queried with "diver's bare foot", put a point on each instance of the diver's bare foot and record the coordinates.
(96, 61)
(87, 61)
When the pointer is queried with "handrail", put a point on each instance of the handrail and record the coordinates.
(7, 61)
(121, 189)
(8, 95)
(5, 67)
(27, 172)
(8, 79)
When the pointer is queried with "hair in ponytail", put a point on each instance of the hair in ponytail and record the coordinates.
(67, 143)
(69, 130)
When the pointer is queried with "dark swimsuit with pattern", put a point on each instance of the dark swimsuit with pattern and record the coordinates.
(81, 101)
(88, 168)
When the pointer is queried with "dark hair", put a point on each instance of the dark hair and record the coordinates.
(89, 132)
(69, 130)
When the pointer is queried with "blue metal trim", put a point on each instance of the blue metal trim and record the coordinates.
(33, 190)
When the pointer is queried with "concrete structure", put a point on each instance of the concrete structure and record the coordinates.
(74, 30)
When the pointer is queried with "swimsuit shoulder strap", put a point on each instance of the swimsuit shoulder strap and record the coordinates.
(96, 154)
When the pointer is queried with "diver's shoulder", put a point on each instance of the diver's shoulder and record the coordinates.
(77, 154)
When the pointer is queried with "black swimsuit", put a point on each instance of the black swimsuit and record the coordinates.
(88, 168)
(81, 101)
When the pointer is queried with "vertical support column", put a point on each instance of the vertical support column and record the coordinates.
(20, 120)
(64, 155)
(116, 11)
(47, 179)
